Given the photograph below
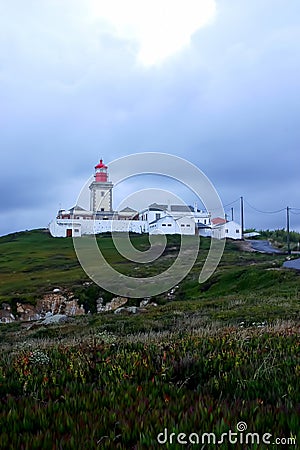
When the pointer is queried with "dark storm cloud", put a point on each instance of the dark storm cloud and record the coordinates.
(71, 94)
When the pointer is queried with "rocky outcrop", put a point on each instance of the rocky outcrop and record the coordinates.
(54, 303)
(27, 312)
(62, 304)
(114, 304)
(57, 303)
(6, 315)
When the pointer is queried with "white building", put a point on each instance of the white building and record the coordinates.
(173, 219)
(156, 218)
(168, 224)
(223, 228)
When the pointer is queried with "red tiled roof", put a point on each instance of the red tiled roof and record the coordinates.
(218, 221)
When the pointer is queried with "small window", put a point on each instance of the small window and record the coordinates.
(102, 194)
(237, 231)
(182, 225)
(204, 221)
(169, 224)
(102, 209)
(157, 216)
(164, 225)
(226, 231)
(76, 230)
(188, 225)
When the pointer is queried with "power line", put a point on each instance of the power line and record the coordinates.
(231, 203)
(264, 212)
(225, 206)
(259, 210)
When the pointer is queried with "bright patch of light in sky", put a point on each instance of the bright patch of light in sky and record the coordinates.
(160, 27)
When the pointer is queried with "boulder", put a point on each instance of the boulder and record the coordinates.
(6, 316)
(99, 305)
(127, 310)
(56, 318)
(144, 302)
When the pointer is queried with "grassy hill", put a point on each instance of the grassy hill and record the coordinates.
(33, 263)
(215, 354)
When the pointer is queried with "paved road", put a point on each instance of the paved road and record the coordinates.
(293, 264)
(263, 246)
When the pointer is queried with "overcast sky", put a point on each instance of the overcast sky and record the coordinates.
(213, 81)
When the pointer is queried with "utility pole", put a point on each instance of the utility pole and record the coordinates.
(232, 214)
(242, 216)
(288, 229)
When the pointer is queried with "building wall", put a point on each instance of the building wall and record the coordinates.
(233, 230)
(218, 232)
(186, 225)
(164, 225)
(169, 225)
(152, 215)
(60, 227)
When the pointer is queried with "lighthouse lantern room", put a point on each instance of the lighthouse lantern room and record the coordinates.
(101, 172)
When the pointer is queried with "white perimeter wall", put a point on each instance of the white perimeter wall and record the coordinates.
(59, 227)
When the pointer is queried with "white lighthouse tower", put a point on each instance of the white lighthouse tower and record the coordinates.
(101, 191)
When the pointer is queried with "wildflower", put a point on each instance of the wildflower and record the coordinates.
(106, 337)
(38, 357)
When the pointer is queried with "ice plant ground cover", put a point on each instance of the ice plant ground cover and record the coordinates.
(107, 391)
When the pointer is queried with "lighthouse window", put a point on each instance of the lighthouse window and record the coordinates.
(102, 193)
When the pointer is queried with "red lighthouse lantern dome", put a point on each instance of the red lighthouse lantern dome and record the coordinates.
(101, 172)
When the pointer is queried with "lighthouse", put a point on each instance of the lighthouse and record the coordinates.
(101, 191)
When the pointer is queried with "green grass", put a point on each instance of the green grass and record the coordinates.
(217, 353)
